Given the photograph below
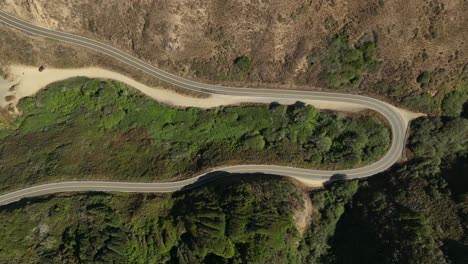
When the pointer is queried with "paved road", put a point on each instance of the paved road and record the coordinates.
(396, 121)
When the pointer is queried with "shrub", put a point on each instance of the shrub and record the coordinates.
(423, 102)
(244, 63)
(343, 65)
(452, 104)
(424, 79)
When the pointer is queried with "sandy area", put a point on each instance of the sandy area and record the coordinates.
(408, 115)
(29, 80)
(310, 182)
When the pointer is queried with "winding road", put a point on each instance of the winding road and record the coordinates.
(394, 118)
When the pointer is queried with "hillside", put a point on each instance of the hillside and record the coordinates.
(416, 212)
(411, 53)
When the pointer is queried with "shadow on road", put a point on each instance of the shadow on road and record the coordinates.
(209, 177)
(227, 178)
(336, 178)
(216, 179)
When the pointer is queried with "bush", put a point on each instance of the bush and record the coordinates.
(452, 104)
(424, 78)
(423, 102)
(246, 220)
(343, 65)
(244, 63)
(438, 138)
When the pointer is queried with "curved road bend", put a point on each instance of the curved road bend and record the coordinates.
(396, 121)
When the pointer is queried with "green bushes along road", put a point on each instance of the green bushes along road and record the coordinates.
(91, 129)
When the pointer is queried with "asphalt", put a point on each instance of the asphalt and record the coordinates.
(394, 118)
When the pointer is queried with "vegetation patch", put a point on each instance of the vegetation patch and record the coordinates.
(91, 129)
(419, 208)
(244, 63)
(242, 221)
(343, 64)
(447, 103)
(424, 78)
(454, 101)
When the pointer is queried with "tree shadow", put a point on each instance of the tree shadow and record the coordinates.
(10, 207)
(464, 113)
(207, 178)
(296, 105)
(228, 178)
(273, 105)
(339, 177)
(456, 251)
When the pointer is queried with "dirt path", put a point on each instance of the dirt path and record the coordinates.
(29, 81)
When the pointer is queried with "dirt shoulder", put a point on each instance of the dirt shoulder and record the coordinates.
(27, 81)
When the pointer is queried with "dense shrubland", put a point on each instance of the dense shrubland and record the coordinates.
(89, 129)
(241, 219)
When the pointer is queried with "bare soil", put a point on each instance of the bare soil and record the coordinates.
(302, 217)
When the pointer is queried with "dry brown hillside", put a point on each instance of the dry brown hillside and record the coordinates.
(409, 52)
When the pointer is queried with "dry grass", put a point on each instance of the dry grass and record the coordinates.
(17, 47)
(200, 40)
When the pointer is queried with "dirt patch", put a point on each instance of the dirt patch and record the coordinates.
(28, 81)
(302, 217)
(408, 115)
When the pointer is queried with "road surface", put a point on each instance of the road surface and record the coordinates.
(394, 118)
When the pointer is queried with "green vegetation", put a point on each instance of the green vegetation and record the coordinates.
(343, 65)
(244, 63)
(423, 102)
(415, 213)
(89, 129)
(239, 70)
(330, 204)
(424, 79)
(448, 103)
(453, 102)
(243, 220)
(438, 138)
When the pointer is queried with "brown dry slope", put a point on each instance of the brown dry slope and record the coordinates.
(287, 41)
